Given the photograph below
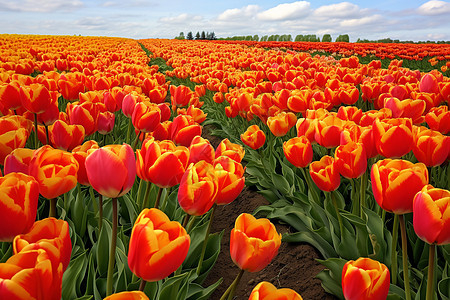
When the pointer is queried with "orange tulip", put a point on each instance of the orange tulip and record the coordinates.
(438, 118)
(18, 160)
(328, 130)
(298, 151)
(64, 136)
(12, 135)
(366, 279)
(267, 291)
(232, 150)
(393, 137)
(157, 247)
(133, 295)
(51, 235)
(111, 170)
(253, 242)
(10, 95)
(55, 171)
(184, 129)
(198, 188)
(253, 137)
(70, 88)
(161, 162)
(358, 134)
(105, 122)
(430, 215)
(395, 182)
(36, 98)
(351, 160)
(19, 194)
(29, 275)
(83, 114)
(146, 116)
(280, 124)
(201, 149)
(180, 95)
(80, 153)
(230, 179)
(324, 174)
(430, 147)
(306, 127)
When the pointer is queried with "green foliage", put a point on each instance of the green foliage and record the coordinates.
(343, 38)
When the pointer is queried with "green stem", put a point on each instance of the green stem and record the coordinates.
(100, 212)
(229, 293)
(186, 220)
(136, 140)
(128, 137)
(405, 257)
(93, 200)
(142, 285)
(336, 208)
(47, 135)
(431, 263)
(164, 200)
(310, 185)
(112, 250)
(139, 193)
(205, 241)
(52, 211)
(362, 193)
(355, 202)
(36, 145)
(394, 250)
(158, 197)
(146, 195)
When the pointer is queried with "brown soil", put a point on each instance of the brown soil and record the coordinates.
(294, 267)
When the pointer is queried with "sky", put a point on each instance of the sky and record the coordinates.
(366, 19)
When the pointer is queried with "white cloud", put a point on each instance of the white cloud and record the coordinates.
(41, 6)
(374, 19)
(243, 13)
(434, 7)
(285, 11)
(181, 18)
(338, 10)
(92, 23)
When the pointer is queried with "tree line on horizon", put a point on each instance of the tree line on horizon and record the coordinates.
(288, 38)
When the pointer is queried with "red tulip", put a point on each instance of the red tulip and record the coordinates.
(158, 246)
(395, 182)
(161, 162)
(430, 147)
(253, 137)
(393, 137)
(430, 215)
(133, 295)
(55, 171)
(18, 161)
(201, 149)
(198, 189)
(232, 150)
(298, 151)
(80, 153)
(111, 170)
(230, 179)
(253, 243)
(267, 291)
(51, 235)
(351, 160)
(19, 194)
(324, 174)
(365, 279)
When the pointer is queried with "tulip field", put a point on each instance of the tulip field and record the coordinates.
(117, 157)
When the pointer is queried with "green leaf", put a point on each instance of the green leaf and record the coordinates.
(281, 183)
(175, 287)
(269, 195)
(444, 288)
(380, 237)
(197, 292)
(313, 239)
(331, 277)
(102, 248)
(73, 276)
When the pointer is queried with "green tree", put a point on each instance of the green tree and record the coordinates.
(203, 35)
(189, 36)
(197, 35)
(255, 38)
(326, 38)
(180, 36)
(343, 38)
(299, 37)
